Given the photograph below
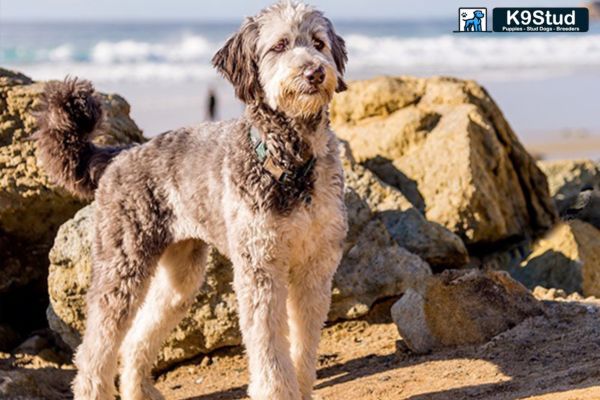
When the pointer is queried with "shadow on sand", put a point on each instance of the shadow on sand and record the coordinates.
(549, 354)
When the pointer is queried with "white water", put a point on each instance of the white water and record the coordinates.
(187, 58)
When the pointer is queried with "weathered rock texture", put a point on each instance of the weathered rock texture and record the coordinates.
(367, 196)
(374, 267)
(567, 257)
(446, 145)
(461, 307)
(31, 208)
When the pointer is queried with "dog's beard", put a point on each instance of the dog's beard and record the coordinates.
(298, 99)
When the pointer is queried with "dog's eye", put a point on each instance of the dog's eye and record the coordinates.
(318, 43)
(280, 46)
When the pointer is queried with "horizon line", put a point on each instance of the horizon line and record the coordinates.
(200, 20)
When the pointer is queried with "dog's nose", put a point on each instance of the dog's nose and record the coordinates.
(315, 75)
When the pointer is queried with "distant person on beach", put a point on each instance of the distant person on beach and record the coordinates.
(211, 105)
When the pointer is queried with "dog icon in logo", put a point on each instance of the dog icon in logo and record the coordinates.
(473, 24)
(472, 19)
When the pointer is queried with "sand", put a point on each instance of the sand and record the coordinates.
(554, 148)
(550, 357)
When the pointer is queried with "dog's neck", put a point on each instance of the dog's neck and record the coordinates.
(294, 139)
(293, 147)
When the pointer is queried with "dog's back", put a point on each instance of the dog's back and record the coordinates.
(70, 116)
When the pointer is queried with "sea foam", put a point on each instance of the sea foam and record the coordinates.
(187, 57)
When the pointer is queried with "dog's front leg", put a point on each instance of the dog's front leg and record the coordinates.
(308, 305)
(261, 289)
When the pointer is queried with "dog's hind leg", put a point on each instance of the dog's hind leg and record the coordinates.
(128, 240)
(178, 277)
(308, 304)
(112, 301)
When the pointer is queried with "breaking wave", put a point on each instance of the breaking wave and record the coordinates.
(188, 56)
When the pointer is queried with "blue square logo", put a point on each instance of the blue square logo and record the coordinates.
(472, 19)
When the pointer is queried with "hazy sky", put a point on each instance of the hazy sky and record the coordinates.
(235, 9)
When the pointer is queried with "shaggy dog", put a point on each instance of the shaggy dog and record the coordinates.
(266, 190)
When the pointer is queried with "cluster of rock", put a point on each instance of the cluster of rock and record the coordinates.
(438, 188)
(567, 257)
(446, 145)
(31, 208)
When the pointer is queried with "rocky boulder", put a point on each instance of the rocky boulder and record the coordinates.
(461, 307)
(446, 145)
(31, 208)
(567, 258)
(374, 266)
(367, 197)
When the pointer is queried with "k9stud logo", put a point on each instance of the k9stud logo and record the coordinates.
(550, 19)
(473, 19)
(524, 19)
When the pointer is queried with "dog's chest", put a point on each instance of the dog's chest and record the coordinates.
(312, 228)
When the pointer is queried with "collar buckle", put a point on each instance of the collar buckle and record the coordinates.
(281, 175)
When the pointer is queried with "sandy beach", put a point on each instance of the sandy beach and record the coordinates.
(560, 147)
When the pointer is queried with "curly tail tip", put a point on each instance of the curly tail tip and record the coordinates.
(72, 106)
(71, 112)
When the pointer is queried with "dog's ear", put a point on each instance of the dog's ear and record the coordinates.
(340, 56)
(236, 61)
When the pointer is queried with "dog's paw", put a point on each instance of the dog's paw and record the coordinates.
(145, 391)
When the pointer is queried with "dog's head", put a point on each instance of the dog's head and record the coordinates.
(478, 14)
(288, 56)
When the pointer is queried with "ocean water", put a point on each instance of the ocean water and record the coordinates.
(545, 83)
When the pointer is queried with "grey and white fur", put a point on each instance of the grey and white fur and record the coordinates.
(160, 204)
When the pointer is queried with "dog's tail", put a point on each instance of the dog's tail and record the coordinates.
(71, 113)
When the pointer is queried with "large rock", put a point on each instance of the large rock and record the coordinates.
(446, 145)
(31, 208)
(367, 197)
(374, 267)
(567, 258)
(461, 307)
